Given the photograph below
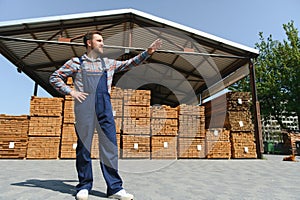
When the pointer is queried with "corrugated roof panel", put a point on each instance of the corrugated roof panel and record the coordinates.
(20, 49)
(36, 57)
(166, 58)
(59, 52)
(115, 27)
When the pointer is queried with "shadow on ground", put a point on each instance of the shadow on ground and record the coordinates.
(62, 186)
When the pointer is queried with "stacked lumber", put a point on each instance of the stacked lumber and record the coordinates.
(163, 147)
(233, 112)
(135, 146)
(218, 143)
(45, 107)
(243, 144)
(239, 121)
(164, 131)
(13, 136)
(69, 116)
(43, 147)
(191, 121)
(117, 93)
(290, 139)
(95, 146)
(164, 121)
(117, 98)
(191, 147)
(44, 128)
(136, 124)
(68, 136)
(137, 97)
(68, 141)
(191, 131)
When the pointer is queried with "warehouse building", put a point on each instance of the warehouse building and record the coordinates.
(190, 67)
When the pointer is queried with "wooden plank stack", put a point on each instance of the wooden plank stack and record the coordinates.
(232, 111)
(68, 137)
(164, 131)
(44, 128)
(117, 98)
(191, 147)
(221, 128)
(191, 125)
(241, 127)
(243, 144)
(13, 136)
(218, 143)
(290, 139)
(135, 146)
(135, 138)
(191, 121)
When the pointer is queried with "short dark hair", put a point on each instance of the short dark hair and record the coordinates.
(89, 35)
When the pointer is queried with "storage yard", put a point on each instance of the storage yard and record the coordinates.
(143, 131)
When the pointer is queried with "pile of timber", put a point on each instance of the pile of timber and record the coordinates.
(221, 128)
(191, 131)
(44, 132)
(135, 137)
(164, 131)
(232, 111)
(290, 142)
(13, 136)
(68, 136)
(218, 143)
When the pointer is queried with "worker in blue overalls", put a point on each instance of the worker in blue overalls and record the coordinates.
(92, 77)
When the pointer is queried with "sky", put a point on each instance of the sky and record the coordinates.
(235, 20)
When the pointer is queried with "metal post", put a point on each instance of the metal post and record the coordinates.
(257, 118)
(35, 89)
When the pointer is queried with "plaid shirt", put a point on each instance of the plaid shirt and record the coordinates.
(72, 69)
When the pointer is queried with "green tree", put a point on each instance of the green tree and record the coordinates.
(277, 71)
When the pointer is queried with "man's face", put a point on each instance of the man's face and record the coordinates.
(97, 44)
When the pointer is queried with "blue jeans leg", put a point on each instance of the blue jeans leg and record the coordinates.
(108, 144)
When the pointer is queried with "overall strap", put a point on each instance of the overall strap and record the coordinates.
(80, 60)
(103, 64)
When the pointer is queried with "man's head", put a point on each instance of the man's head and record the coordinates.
(93, 41)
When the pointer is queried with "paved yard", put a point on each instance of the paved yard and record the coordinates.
(269, 178)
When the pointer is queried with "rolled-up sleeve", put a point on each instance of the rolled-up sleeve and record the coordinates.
(58, 78)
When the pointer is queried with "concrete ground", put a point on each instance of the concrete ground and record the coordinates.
(268, 178)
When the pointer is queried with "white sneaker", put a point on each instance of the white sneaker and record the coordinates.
(121, 195)
(82, 195)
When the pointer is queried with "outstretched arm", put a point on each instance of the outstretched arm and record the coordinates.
(127, 64)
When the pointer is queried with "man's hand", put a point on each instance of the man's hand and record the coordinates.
(154, 46)
(80, 96)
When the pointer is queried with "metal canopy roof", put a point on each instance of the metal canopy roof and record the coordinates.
(205, 62)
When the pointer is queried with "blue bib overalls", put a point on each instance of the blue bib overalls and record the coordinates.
(96, 112)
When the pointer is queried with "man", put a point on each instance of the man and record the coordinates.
(92, 76)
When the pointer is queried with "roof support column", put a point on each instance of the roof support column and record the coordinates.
(257, 117)
(35, 89)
